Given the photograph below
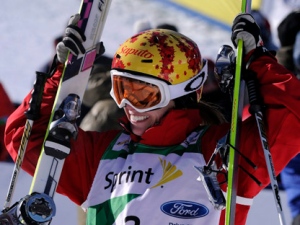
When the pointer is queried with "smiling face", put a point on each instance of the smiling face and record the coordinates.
(150, 70)
(140, 122)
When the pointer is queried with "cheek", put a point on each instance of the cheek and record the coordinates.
(156, 115)
(159, 116)
(153, 120)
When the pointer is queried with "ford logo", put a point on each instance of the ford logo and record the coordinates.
(184, 209)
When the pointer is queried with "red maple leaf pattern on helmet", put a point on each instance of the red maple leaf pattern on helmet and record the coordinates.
(166, 53)
(192, 54)
(134, 38)
(118, 63)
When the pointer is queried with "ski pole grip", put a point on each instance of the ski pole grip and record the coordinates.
(33, 112)
(253, 92)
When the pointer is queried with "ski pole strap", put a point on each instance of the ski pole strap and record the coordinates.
(255, 100)
(222, 142)
(33, 112)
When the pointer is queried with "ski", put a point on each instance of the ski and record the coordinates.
(236, 119)
(74, 80)
(38, 206)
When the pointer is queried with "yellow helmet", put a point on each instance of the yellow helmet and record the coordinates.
(160, 53)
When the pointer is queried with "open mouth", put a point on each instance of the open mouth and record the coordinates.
(135, 118)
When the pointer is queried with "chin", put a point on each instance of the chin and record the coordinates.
(138, 131)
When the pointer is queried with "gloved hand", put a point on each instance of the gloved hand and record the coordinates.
(244, 27)
(72, 40)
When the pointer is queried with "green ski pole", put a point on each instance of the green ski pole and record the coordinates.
(237, 108)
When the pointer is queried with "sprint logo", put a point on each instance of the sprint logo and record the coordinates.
(170, 172)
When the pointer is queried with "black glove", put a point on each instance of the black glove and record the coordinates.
(245, 28)
(72, 40)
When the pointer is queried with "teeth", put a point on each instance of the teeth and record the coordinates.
(138, 118)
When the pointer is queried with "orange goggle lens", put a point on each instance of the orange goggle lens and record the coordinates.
(140, 94)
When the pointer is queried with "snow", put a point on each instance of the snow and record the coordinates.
(28, 29)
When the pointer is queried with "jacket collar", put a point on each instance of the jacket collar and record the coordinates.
(173, 129)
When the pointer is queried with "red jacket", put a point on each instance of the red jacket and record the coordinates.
(6, 109)
(281, 94)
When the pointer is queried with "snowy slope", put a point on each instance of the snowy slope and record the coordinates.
(29, 29)
(27, 32)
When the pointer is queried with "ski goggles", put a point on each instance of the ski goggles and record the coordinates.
(146, 93)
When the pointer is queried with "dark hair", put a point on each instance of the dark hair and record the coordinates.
(167, 26)
(209, 112)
